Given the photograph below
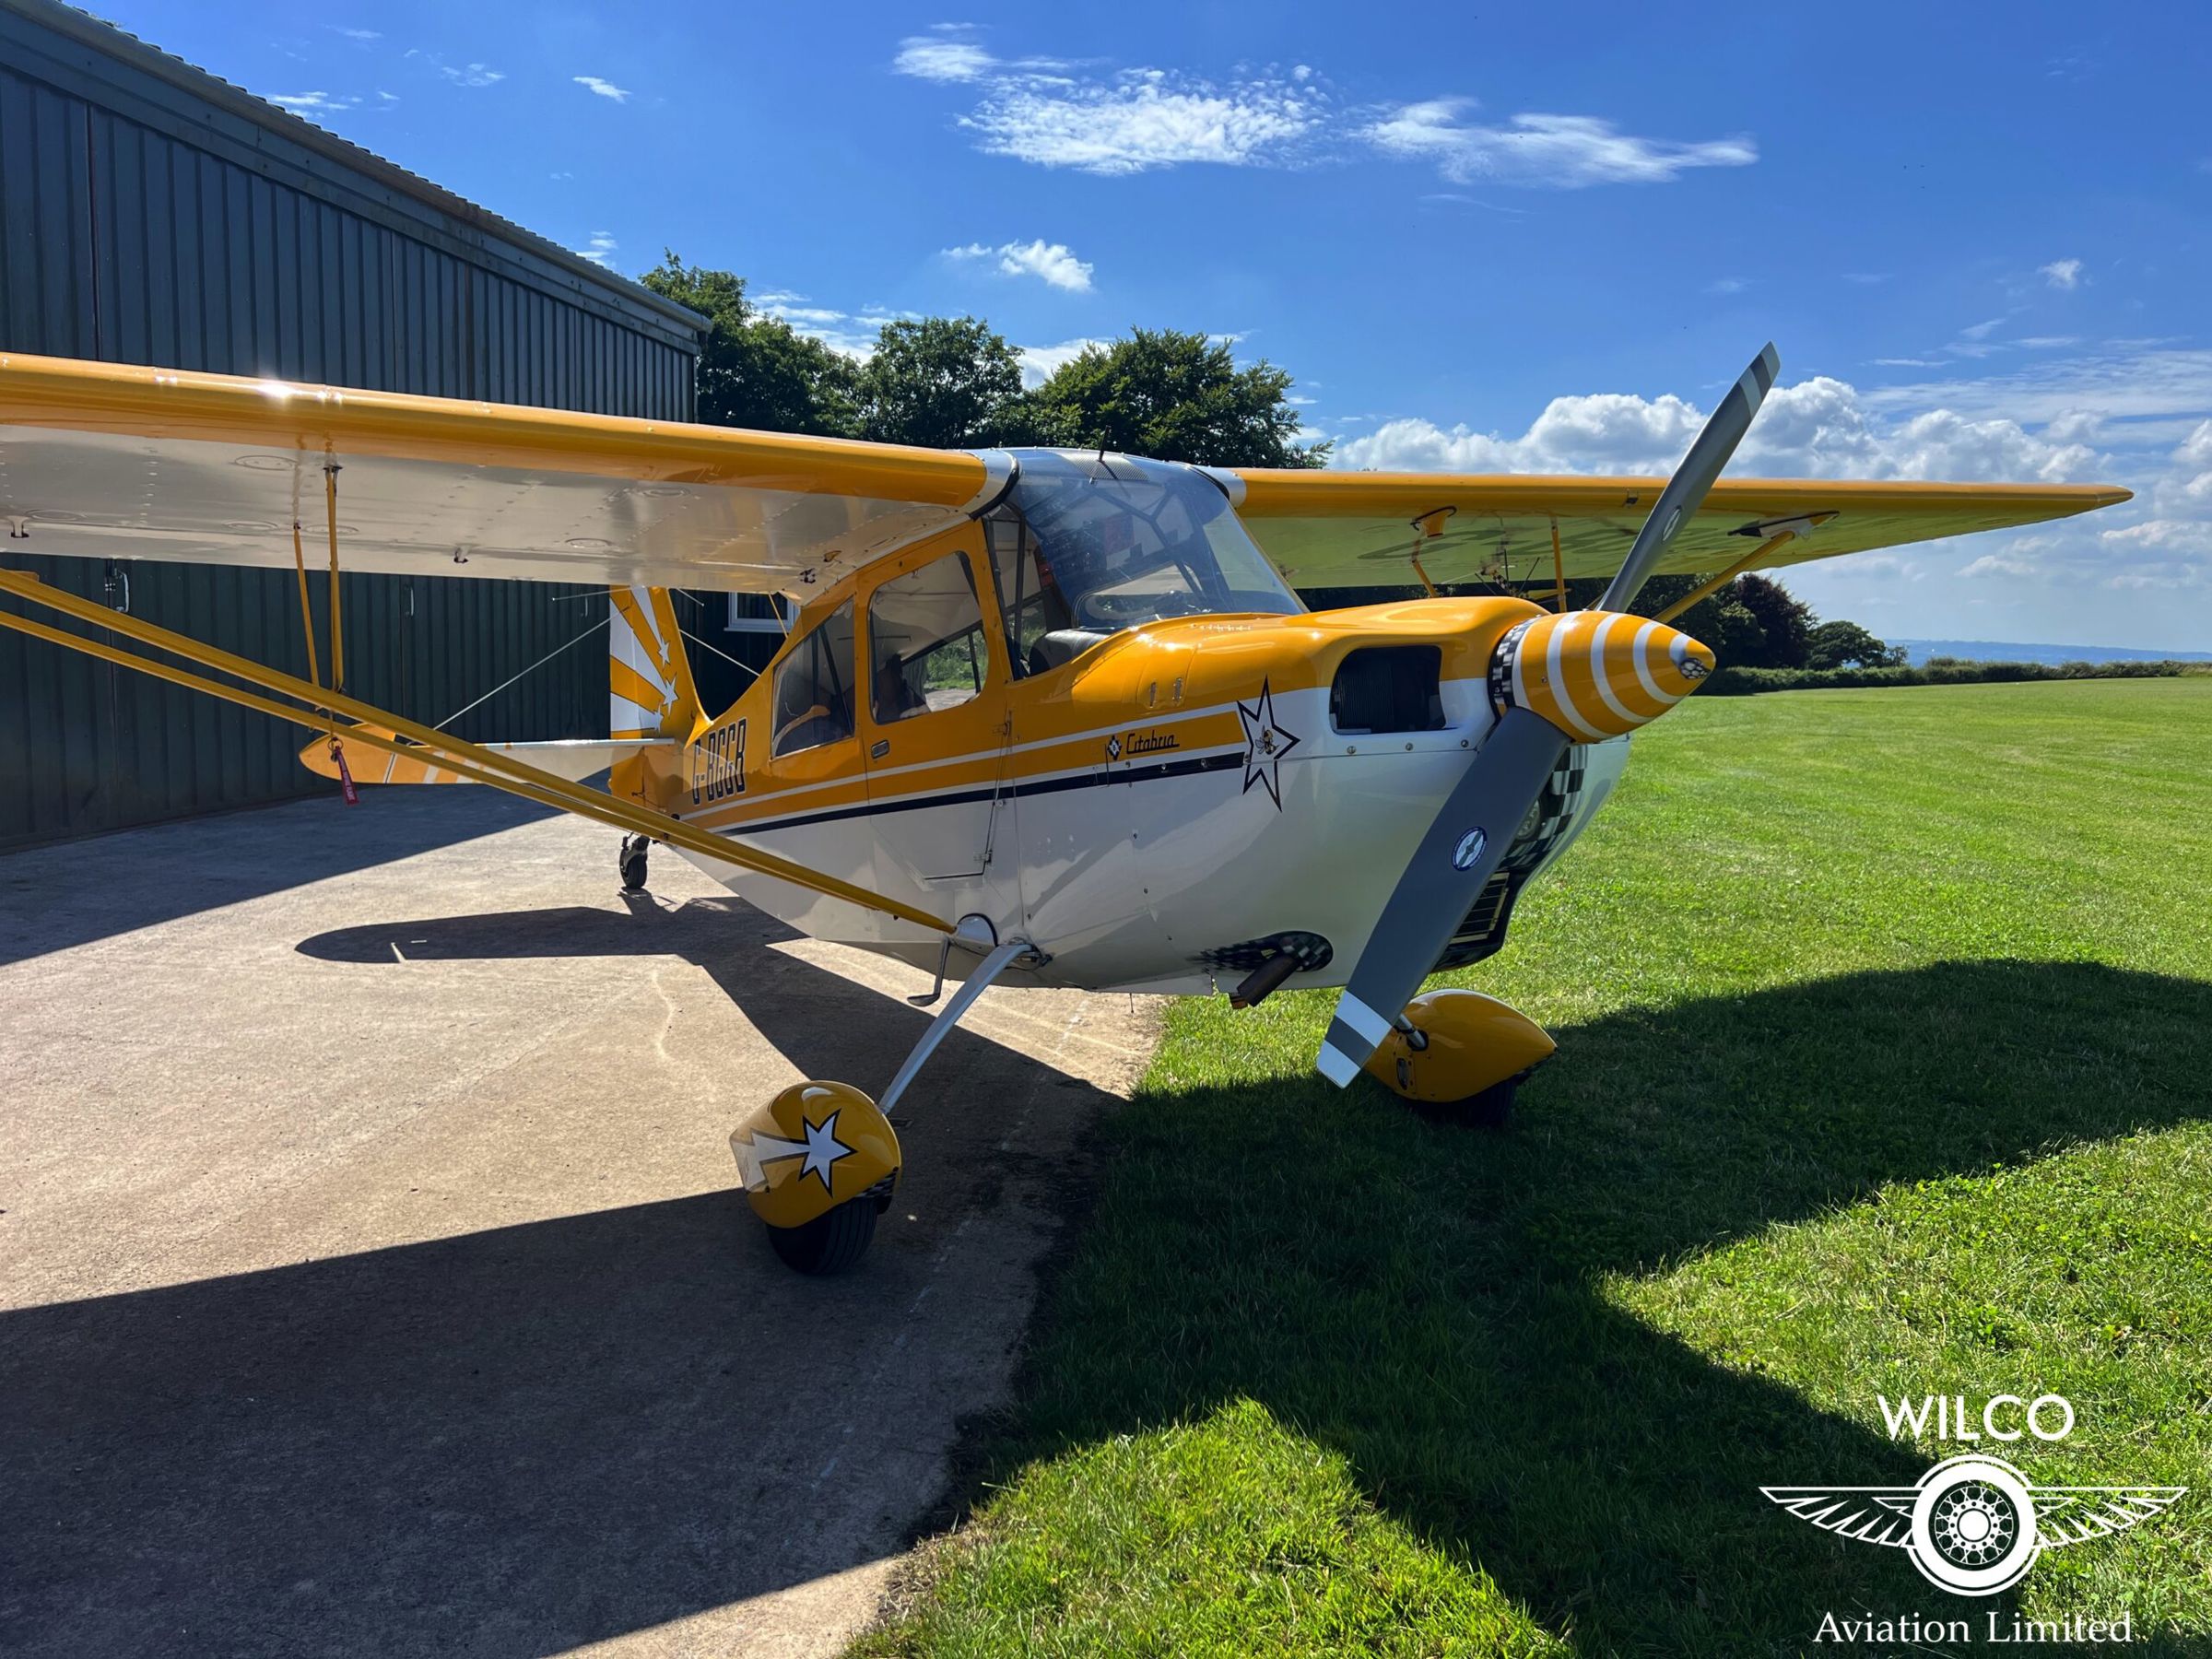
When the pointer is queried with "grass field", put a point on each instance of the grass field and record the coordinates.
(1885, 1066)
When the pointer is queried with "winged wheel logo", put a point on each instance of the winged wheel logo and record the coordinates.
(1973, 1525)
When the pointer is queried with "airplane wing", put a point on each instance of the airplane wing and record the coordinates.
(110, 461)
(1355, 529)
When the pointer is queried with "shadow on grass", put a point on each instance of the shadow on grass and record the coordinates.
(1426, 1298)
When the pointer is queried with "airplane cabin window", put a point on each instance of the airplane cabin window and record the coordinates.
(927, 649)
(813, 701)
(1032, 602)
(1086, 545)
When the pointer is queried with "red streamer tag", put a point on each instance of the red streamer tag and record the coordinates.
(338, 753)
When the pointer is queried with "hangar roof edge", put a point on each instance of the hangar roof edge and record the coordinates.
(101, 36)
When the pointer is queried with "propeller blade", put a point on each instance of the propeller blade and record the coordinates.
(1586, 675)
(1687, 489)
(1466, 840)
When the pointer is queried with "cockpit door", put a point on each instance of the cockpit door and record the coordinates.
(934, 727)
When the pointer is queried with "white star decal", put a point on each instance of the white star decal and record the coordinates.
(1265, 744)
(820, 1150)
(823, 1150)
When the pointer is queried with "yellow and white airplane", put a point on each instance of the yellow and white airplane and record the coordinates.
(1048, 717)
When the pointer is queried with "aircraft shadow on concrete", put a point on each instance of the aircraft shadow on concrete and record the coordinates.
(420, 1446)
(806, 1013)
(55, 897)
(514, 1441)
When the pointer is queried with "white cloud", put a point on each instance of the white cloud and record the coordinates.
(2000, 564)
(1727, 285)
(1818, 427)
(1133, 119)
(1040, 363)
(1143, 118)
(842, 332)
(1053, 262)
(599, 249)
(2190, 537)
(951, 53)
(362, 35)
(2062, 274)
(605, 88)
(2194, 459)
(2122, 380)
(314, 103)
(2139, 574)
(470, 75)
(941, 59)
(1564, 152)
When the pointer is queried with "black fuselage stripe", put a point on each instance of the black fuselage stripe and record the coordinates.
(1133, 774)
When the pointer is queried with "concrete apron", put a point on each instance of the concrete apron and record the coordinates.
(373, 1274)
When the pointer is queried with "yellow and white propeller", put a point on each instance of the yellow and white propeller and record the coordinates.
(1555, 680)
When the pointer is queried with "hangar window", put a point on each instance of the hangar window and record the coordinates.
(927, 649)
(814, 686)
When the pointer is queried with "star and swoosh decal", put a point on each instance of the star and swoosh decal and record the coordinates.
(820, 1150)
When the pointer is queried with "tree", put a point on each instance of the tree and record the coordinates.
(756, 371)
(1841, 644)
(947, 382)
(1786, 623)
(1172, 395)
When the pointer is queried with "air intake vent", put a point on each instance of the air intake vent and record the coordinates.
(1388, 689)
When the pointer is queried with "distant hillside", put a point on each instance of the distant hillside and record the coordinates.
(2006, 651)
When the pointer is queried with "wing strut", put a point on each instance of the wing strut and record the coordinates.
(477, 764)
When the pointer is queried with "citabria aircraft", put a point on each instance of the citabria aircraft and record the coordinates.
(1046, 717)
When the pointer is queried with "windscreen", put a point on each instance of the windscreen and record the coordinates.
(1123, 542)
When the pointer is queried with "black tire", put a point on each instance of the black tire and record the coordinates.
(632, 863)
(830, 1243)
(1492, 1109)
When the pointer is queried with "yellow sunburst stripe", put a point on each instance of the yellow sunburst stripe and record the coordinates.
(624, 681)
(657, 653)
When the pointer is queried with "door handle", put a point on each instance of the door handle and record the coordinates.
(882, 746)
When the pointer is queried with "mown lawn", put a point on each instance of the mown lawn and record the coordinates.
(1886, 1067)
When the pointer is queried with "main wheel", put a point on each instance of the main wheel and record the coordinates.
(632, 863)
(831, 1242)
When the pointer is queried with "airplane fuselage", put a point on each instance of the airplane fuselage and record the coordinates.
(1158, 813)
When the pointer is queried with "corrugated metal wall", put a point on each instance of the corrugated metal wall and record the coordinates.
(141, 224)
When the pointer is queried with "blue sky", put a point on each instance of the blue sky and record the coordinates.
(1527, 237)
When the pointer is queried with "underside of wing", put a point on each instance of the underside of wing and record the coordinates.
(109, 461)
(1863, 1515)
(1349, 529)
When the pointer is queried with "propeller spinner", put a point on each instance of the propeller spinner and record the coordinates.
(1555, 680)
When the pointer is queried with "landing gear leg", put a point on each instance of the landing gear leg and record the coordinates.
(821, 1161)
(632, 863)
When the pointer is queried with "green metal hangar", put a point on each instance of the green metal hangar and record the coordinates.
(150, 212)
